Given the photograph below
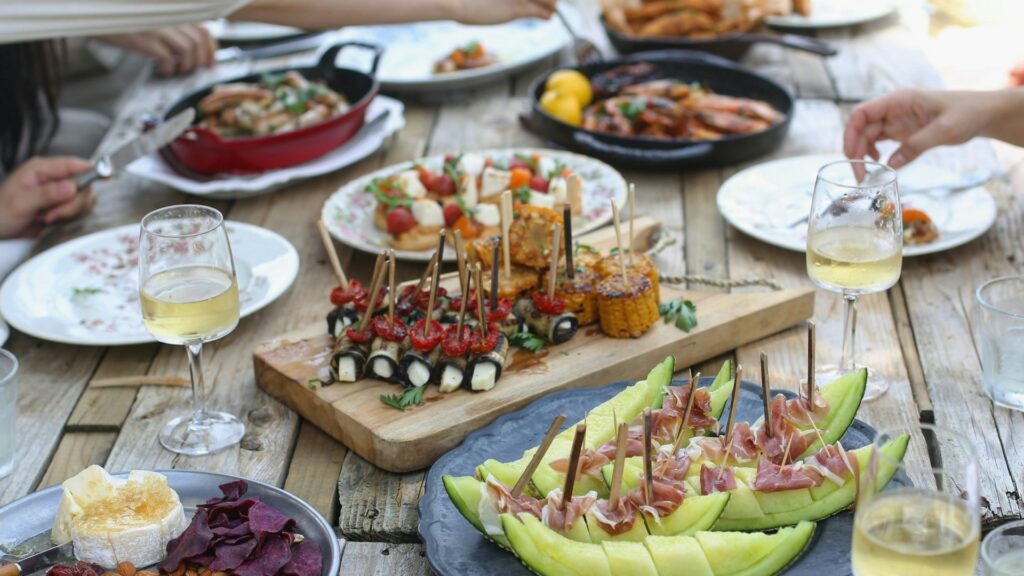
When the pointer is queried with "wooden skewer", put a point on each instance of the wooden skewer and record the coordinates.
(391, 287)
(785, 451)
(494, 275)
(517, 490)
(618, 242)
(765, 395)
(460, 255)
(648, 457)
(570, 270)
(574, 192)
(478, 275)
(423, 278)
(134, 381)
(464, 281)
(620, 459)
(574, 463)
(375, 282)
(556, 247)
(632, 217)
(506, 225)
(810, 365)
(332, 254)
(435, 270)
(694, 380)
(736, 385)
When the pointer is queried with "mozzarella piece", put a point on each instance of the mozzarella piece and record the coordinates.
(451, 379)
(488, 215)
(494, 181)
(545, 166)
(559, 190)
(484, 376)
(472, 164)
(346, 369)
(382, 368)
(427, 213)
(541, 199)
(409, 181)
(470, 191)
(418, 373)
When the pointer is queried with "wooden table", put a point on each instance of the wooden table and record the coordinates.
(917, 333)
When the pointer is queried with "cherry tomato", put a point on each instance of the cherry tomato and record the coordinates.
(456, 303)
(400, 221)
(359, 336)
(363, 302)
(454, 344)
(427, 178)
(420, 341)
(393, 331)
(520, 177)
(341, 295)
(539, 183)
(500, 312)
(452, 212)
(517, 163)
(548, 305)
(443, 186)
(483, 345)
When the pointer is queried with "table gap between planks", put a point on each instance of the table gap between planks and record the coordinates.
(918, 334)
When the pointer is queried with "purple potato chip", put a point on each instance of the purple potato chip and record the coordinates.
(228, 531)
(306, 560)
(194, 541)
(231, 556)
(272, 554)
(265, 518)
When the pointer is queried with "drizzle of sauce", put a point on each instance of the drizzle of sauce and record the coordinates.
(529, 362)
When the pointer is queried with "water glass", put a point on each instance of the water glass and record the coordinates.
(1002, 551)
(8, 410)
(999, 326)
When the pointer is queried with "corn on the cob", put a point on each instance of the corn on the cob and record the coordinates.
(482, 250)
(638, 264)
(626, 310)
(520, 281)
(584, 256)
(579, 293)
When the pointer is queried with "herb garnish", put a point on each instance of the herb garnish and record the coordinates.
(557, 170)
(471, 47)
(411, 397)
(615, 250)
(78, 292)
(314, 383)
(523, 194)
(530, 162)
(680, 311)
(527, 341)
(392, 202)
(466, 210)
(633, 108)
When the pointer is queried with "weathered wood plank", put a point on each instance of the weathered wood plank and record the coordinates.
(106, 409)
(77, 451)
(376, 504)
(380, 559)
(315, 462)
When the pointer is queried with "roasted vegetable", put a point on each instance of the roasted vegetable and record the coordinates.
(635, 264)
(626, 310)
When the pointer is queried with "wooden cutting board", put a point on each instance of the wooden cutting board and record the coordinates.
(414, 439)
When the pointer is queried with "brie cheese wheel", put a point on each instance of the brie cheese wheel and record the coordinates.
(488, 214)
(494, 181)
(409, 181)
(112, 520)
(427, 213)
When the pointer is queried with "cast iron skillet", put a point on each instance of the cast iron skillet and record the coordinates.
(203, 151)
(732, 46)
(722, 76)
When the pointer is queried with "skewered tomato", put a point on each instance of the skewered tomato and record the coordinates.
(456, 303)
(362, 302)
(499, 312)
(400, 221)
(384, 328)
(520, 176)
(547, 305)
(452, 213)
(539, 183)
(342, 295)
(454, 343)
(420, 341)
(359, 336)
(483, 345)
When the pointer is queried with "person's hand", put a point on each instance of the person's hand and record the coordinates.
(175, 50)
(40, 192)
(491, 12)
(917, 120)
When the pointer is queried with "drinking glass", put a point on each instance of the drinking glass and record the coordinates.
(931, 527)
(999, 327)
(1002, 551)
(8, 410)
(189, 296)
(855, 246)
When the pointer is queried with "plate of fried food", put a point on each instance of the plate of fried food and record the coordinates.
(727, 28)
(818, 14)
(770, 202)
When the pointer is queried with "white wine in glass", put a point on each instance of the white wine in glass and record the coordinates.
(189, 296)
(932, 527)
(855, 245)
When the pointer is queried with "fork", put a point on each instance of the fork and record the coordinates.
(583, 49)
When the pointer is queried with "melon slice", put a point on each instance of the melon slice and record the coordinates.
(629, 558)
(754, 554)
(695, 514)
(550, 554)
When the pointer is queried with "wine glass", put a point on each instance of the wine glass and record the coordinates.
(928, 520)
(189, 296)
(855, 245)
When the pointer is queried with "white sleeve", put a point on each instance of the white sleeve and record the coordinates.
(42, 19)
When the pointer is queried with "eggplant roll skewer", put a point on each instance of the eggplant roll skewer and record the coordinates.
(555, 328)
(416, 368)
(349, 359)
(383, 360)
(485, 369)
(340, 319)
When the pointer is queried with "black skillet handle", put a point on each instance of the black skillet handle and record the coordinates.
(795, 41)
(637, 155)
(331, 54)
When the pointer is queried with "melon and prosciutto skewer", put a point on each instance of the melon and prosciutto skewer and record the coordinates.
(616, 515)
(390, 333)
(490, 346)
(417, 364)
(351, 349)
(721, 478)
(563, 510)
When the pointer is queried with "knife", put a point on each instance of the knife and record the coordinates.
(141, 145)
(302, 44)
(38, 561)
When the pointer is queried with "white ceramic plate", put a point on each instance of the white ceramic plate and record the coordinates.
(835, 14)
(5, 332)
(86, 291)
(762, 200)
(411, 50)
(348, 213)
(230, 187)
(228, 31)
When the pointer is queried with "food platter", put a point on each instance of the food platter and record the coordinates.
(349, 212)
(25, 523)
(85, 291)
(227, 31)
(835, 14)
(412, 50)
(767, 201)
(454, 547)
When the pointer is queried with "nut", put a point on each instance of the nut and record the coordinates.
(126, 569)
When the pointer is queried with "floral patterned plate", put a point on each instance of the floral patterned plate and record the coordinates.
(86, 291)
(348, 213)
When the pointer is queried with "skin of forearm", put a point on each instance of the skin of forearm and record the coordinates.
(1006, 116)
(329, 14)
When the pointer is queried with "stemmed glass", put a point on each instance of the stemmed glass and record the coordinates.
(927, 521)
(189, 296)
(855, 245)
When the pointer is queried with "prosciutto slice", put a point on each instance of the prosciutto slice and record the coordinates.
(787, 442)
(700, 417)
(718, 479)
(743, 447)
(562, 521)
(634, 444)
(834, 463)
(508, 504)
(615, 521)
(666, 497)
(797, 412)
(590, 464)
(673, 468)
(774, 478)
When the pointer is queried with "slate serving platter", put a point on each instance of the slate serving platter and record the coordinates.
(455, 548)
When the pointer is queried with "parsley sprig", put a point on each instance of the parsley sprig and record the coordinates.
(680, 311)
(632, 108)
(523, 194)
(527, 341)
(392, 202)
(530, 162)
(411, 397)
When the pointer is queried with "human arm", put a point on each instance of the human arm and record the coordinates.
(317, 14)
(174, 49)
(922, 119)
(41, 191)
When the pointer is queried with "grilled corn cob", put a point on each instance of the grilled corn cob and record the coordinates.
(638, 264)
(626, 311)
(521, 280)
(578, 293)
